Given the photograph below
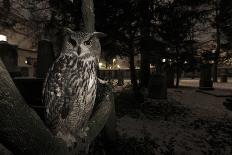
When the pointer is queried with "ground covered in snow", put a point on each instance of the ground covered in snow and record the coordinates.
(187, 123)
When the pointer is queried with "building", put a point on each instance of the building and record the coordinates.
(20, 29)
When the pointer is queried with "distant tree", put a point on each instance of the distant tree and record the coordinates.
(226, 19)
(146, 16)
(25, 18)
(215, 20)
(175, 22)
(217, 24)
(66, 13)
(119, 19)
(226, 29)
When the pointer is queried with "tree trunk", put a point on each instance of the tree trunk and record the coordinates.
(103, 110)
(22, 131)
(144, 70)
(177, 67)
(147, 16)
(177, 77)
(218, 35)
(133, 71)
(88, 16)
(215, 65)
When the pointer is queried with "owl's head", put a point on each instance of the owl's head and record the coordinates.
(82, 44)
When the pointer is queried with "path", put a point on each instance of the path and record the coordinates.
(195, 83)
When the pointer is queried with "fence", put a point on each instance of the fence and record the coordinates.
(108, 74)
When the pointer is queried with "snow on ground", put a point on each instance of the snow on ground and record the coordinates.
(205, 128)
(195, 83)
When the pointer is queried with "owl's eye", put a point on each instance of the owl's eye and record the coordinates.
(87, 43)
(72, 42)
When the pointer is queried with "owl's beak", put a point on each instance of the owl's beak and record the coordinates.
(79, 50)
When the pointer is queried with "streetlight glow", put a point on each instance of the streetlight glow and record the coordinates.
(3, 37)
(100, 64)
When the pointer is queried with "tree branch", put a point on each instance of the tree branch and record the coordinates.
(22, 131)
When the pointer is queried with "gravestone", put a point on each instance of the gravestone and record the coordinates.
(228, 103)
(9, 56)
(45, 58)
(157, 87)
(224, 76)
(170, 76)
(206, 82)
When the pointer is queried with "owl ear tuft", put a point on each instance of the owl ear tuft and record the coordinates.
(98, 34)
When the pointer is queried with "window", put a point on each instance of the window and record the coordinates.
(3, 37)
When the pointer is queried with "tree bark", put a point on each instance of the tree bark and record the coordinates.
(21, 130)
(88, 16)
(177, 67)
(144, 70)
(217, 52)
(133, 71)
(147, 16)
(103, 110)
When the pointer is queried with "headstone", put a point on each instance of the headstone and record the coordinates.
(206, 82)
(157, 87)
(228, 103)
(170, 76)
(45, 58)
(224, 76)
(9, 56)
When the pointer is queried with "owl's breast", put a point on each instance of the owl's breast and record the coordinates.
(83, 83)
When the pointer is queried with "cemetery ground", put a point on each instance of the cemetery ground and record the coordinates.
(187, 123)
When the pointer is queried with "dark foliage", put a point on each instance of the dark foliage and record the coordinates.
(66, 13)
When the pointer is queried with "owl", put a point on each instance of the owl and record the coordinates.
(70, 87)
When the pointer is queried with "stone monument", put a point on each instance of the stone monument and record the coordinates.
(157, 87)
(206, 82)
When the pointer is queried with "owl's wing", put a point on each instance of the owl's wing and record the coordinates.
(55, 94)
